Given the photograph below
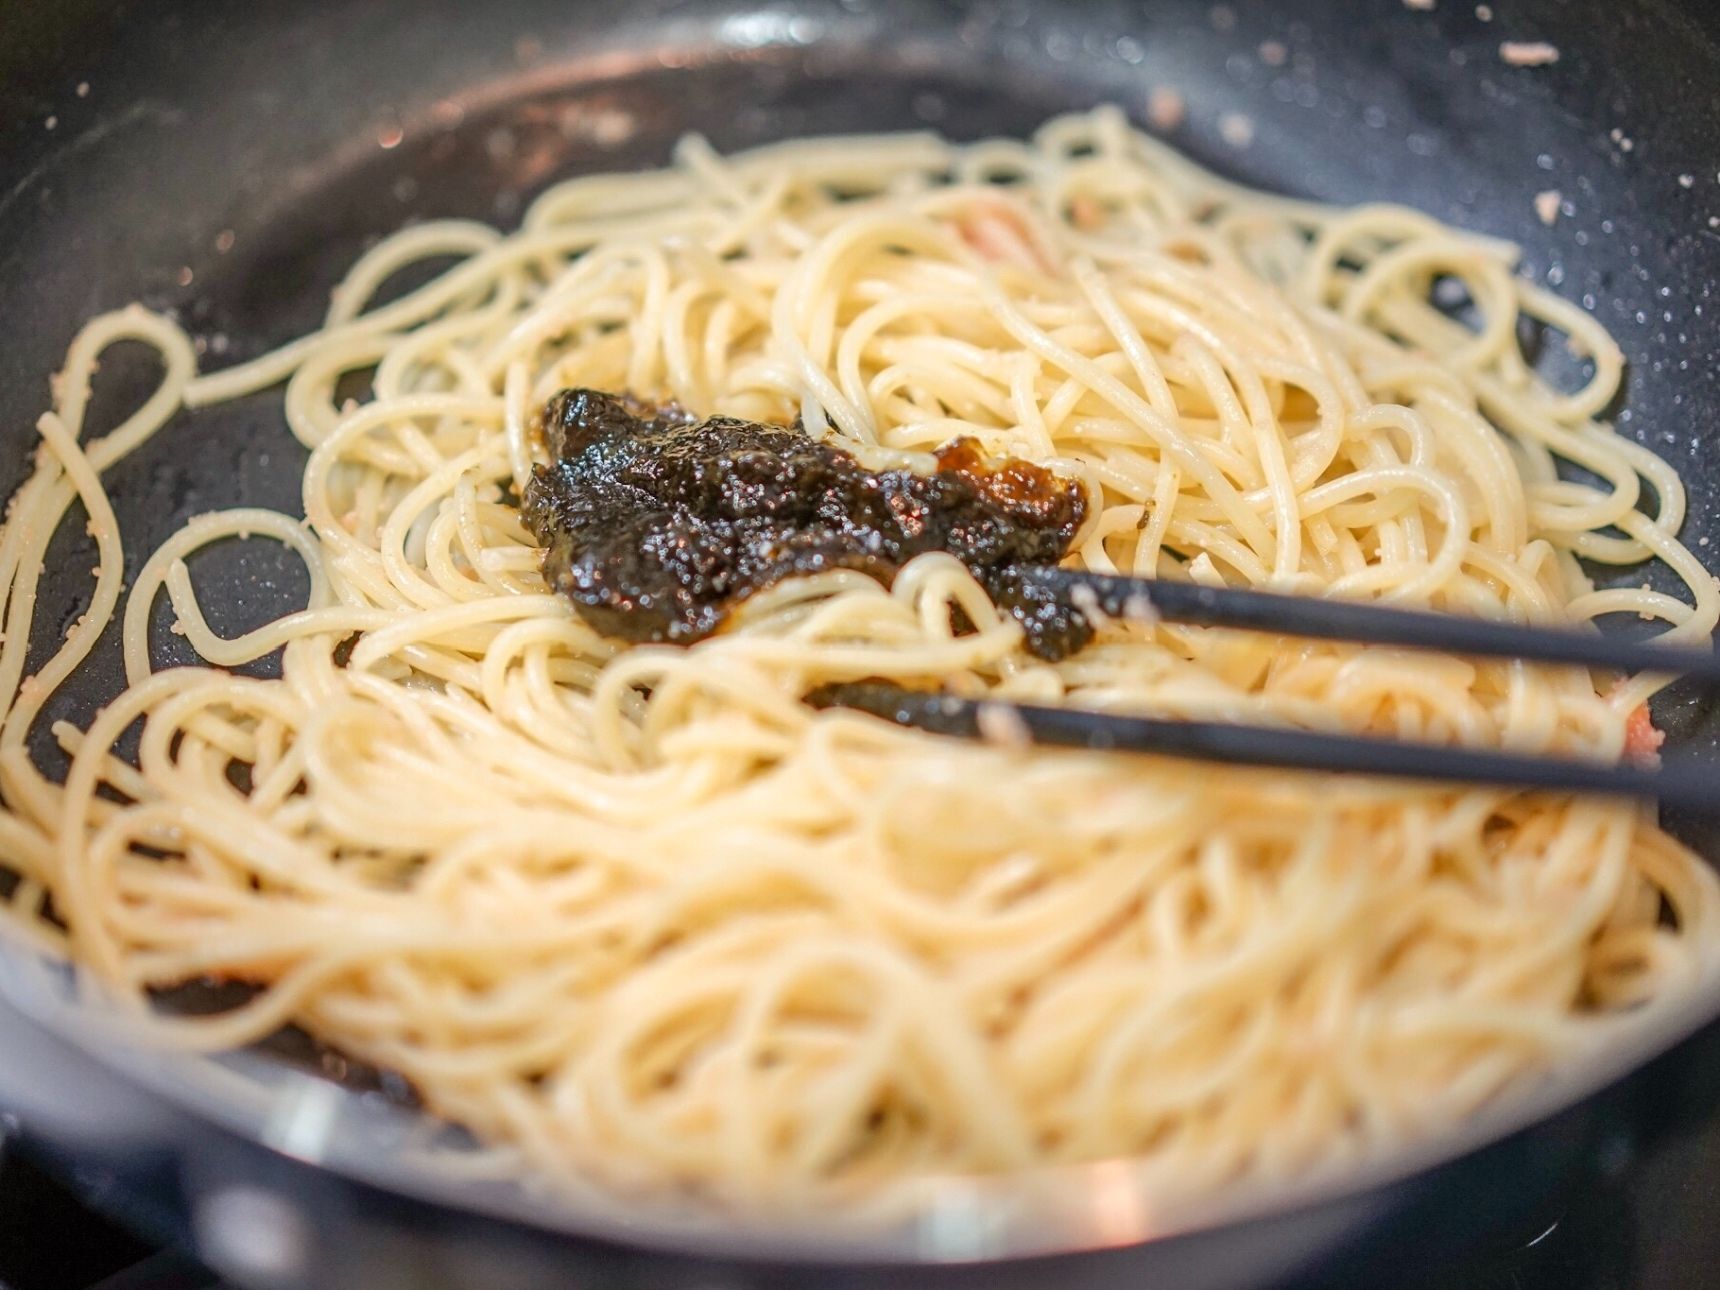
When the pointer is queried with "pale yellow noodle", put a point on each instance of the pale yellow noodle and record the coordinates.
(646, 923)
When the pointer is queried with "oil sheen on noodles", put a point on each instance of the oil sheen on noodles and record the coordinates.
(645, 923)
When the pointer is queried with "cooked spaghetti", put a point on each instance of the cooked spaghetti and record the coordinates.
(645, 922)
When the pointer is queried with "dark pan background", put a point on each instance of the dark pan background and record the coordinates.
(226, 162)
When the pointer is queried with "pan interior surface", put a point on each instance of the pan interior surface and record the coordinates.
(229, 167)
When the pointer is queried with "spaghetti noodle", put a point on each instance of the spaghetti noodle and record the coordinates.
(642, 920)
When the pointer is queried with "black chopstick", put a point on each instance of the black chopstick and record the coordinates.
(1313, 616)
(1686, 785)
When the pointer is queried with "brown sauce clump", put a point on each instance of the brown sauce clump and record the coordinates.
(655, 524)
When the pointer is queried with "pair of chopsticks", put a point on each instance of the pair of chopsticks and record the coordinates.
(1188, 603)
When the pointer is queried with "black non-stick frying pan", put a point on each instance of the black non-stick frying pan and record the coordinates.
(227, 161)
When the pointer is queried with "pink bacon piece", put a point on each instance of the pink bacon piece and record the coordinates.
(1642, 739)
(1000, 234)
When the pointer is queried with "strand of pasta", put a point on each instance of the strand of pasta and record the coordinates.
(642, 921)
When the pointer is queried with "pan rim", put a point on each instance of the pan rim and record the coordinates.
(964, 1219)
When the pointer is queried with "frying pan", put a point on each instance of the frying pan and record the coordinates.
(227, 162)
